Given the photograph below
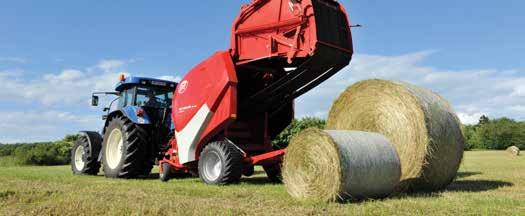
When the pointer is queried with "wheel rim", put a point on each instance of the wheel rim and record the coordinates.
(212, 166)
(79, 161)
(114, 148)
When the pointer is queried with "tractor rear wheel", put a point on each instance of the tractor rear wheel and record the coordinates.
(125, 149)
(84, 157)
(220, 163)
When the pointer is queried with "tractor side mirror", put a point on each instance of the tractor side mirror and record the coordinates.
(94, 100)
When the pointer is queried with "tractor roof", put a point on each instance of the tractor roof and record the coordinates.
(133, 81)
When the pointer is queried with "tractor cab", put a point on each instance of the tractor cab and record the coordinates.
(145, 92)
(139, 98)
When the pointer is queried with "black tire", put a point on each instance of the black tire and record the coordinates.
(274, 172)
(90, 164)
(231, 159)
(248, 170)
(166, 173)
(135, 159)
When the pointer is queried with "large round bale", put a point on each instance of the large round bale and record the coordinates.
(514, 150)
(340, 165)
(421, 124)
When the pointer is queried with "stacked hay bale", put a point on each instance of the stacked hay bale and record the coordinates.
(514, 150)
(420, 124)
(339, 165)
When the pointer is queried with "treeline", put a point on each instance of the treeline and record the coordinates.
(497, 134)
(491, 134)
(46, 153)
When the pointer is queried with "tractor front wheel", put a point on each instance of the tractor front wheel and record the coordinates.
(125, 149)
(220, 163)
(84, 156)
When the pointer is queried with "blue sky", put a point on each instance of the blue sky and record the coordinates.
(54, 53)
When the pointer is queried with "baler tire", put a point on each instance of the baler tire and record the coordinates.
(133, 156)
(91, 165)
(274, 172)
(231, 163)
(166, 173)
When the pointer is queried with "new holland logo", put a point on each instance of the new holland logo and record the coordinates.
(183, 86)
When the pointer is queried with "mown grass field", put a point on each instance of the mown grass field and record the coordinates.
(489, 183)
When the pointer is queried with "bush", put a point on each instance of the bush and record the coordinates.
(497, 134)
(51, 153)
(7, 150)
(282, 140)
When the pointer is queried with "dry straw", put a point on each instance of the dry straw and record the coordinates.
(340, 165)
(513, 150)
(421, 125)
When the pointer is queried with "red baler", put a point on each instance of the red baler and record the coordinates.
(228, 108)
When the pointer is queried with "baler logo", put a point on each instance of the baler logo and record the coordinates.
(183, 86)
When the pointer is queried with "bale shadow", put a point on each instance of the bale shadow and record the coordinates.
(456, 186)
(468, 174)
(477, 185)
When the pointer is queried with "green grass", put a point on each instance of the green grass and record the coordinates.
(489, 183)
(8, 161)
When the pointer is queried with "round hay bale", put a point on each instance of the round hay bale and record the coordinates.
(514, 150)
(340, 165)
(420, 124)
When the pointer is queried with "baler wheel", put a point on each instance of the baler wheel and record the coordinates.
(273, 172)
(220, 163)
(166, 173)
(84, 158)
(125, 149)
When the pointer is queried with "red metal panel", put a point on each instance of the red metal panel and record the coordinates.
(208, 83)
(269, 28)
(279, 28)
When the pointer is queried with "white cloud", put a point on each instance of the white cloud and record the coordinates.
(518, 108)
(16, 60)
(519, 91)
(48, 106)
(469, 119)
(42, 125)
(67, 87)
(471, 92)
(111, 64)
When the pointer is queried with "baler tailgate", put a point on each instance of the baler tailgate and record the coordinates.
(325, 33)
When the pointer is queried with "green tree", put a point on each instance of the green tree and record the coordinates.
(483, 120)
(295, 127)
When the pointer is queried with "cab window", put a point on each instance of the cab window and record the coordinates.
(154, 97)
(126, 98)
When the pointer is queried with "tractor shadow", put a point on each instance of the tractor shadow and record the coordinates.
(258, 180)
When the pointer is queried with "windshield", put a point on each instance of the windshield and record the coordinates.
(154, 97)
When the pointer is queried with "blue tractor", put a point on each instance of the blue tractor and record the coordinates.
(137, 129)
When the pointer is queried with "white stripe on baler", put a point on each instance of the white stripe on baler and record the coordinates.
(188, 137)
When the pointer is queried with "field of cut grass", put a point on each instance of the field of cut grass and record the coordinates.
(489, 183)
